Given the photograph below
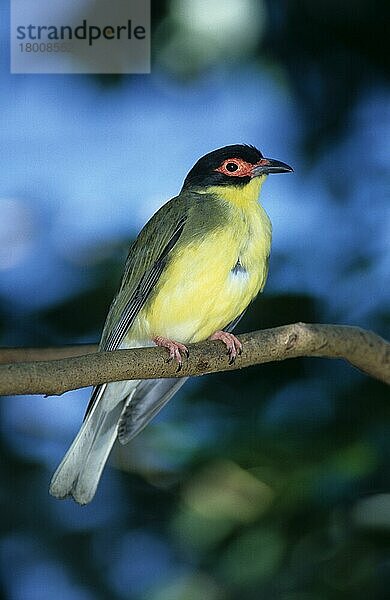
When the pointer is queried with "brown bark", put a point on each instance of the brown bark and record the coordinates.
(56, 370)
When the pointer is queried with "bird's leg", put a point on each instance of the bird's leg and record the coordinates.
(233, 344)
(174, 348)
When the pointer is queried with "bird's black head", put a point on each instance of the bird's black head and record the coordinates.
(232, 165)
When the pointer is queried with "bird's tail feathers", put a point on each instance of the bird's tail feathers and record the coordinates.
(143, 405)
(80, 470)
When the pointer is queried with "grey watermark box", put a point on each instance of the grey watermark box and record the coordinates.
(80, 36)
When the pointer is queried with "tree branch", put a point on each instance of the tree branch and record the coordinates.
(17, 355)
(363, 349)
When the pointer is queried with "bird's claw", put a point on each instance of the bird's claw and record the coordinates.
(232, 343)
(174, 348)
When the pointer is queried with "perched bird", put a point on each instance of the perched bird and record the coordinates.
(190, 275)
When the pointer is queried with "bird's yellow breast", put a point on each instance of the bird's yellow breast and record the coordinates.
(209, 281)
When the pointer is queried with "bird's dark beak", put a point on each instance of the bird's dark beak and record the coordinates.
(270, 165)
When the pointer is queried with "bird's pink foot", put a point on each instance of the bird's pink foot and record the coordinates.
(174, 348)
(233, 344)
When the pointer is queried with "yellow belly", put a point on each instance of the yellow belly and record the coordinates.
(199, 293)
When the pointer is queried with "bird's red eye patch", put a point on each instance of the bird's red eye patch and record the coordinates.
(235, 167)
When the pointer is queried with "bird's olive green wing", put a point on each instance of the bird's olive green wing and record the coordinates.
(178, 221)
(146, 261)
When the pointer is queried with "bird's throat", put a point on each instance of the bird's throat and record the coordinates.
(241, 197)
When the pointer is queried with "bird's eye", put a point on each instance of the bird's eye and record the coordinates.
(231, 166)
(235, 167)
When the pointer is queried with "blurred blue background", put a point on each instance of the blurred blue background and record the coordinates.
(268, 483)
